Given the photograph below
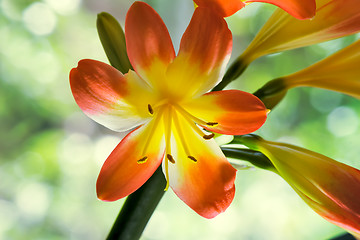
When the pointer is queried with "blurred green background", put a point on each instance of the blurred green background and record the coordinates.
(51, 153)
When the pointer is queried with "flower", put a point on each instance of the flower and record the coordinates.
(166, 99)
(330, 188)
(282, 32)
(303, 9)
(339, 72)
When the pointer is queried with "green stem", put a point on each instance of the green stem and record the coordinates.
(138, 208)
(256, 158)
(233, 72)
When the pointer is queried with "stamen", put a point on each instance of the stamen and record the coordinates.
(151, 130)
(212, 124)
(198, 130)
(142, 160)
(170, 158)
(210, 136)
(181, 135)
(151, 111)
(159, 104)
(167, 122)
(192, 158)
(195, 119)
(166, 175)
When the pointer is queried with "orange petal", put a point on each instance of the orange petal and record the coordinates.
(207, 186)
(224, 8)
(235, 112)
(107, 96)
(205, 50)
(148, 42)
(121, 174)
(301, 9)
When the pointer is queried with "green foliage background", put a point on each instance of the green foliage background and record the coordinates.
(51, 153)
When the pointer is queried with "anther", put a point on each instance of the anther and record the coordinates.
(142, 160)
(210, 136)
(151, 111)
(192, 158)
(170, 158)
(212, 123)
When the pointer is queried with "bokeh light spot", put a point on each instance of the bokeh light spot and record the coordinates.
(342, 121)
(324, 100)
(64, 7)
(33, 200)
(39, 19)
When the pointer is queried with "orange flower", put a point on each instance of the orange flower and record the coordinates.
(330, 188)
(339, 72)
(166, 99)
(282, 32)
(301, 9)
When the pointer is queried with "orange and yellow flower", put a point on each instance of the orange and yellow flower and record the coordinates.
(301, 9)
(330, 188)
(338, 72)
(282, 32)
(167, 99)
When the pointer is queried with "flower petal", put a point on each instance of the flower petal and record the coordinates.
(148, 43)
(116, 101)
(235, 112)
(301, 9)
(282, 32)
(207, 186)
(223, 8)
(204, 52)
(121, 174)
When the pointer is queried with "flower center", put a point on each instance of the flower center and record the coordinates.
(169, 113)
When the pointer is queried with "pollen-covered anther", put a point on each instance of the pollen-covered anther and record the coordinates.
(142, 160)
(170, 158)
(212, 124)
(150, 109)
(209, 136)
(192, 158)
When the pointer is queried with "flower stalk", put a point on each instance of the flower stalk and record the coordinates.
(138, 209)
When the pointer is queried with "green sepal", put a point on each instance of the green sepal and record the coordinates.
(112, 38)
(272, 93)
(256, 158)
